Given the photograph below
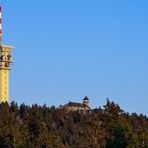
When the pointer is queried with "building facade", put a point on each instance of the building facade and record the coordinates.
(75, 106)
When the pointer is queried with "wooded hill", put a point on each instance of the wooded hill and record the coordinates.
(49, 127)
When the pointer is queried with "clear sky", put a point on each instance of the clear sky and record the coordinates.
(66, 49)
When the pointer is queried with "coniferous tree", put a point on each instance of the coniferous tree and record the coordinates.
(49, 127)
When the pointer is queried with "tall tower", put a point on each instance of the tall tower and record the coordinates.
(5, 61)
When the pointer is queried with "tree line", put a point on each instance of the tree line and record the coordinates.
(38, 126)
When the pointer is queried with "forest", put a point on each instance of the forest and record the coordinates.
(23, 126)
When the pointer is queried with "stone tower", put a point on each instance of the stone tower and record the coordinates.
(86, 102)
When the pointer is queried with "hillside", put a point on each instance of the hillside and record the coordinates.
(48, 127)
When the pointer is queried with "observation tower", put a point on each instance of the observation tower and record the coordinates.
(5, 62)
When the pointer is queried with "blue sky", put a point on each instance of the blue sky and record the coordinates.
(67, 49)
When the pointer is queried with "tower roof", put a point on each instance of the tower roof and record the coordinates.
(86, 98)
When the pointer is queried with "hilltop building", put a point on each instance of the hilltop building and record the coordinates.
(5, 61)
(75, 106)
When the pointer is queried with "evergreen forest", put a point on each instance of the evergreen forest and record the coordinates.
(38, 126)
